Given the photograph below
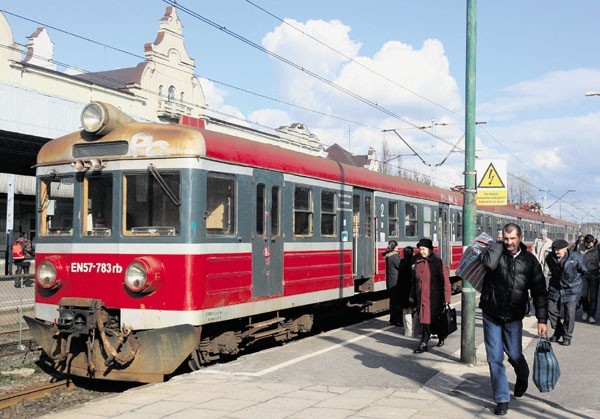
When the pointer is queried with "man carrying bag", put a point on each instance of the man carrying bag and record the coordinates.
(511, 272)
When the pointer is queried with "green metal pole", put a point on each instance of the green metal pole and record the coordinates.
(467, 346)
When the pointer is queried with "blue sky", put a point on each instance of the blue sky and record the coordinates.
(535, 61)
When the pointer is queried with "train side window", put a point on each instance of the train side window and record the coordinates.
(356, 215)
(427, 222)
(56, 205)
(328, 213)
(152, 203)
(97, 204)
(260, 209)
(368, 217)
(459, 225)
(411, 221)
(275, 201)
(220, 205)
(393, 219)
(303, 211)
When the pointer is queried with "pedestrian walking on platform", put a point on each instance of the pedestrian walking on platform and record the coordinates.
(511, 274)
(431, 291)
(392, 270)
(405, 283)
(564, 291)
(591, 279)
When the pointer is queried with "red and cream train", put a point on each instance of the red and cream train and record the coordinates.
(165, 244)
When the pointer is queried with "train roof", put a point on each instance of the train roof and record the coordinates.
(153, 140)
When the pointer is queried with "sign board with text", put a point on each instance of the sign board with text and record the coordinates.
(491, 181)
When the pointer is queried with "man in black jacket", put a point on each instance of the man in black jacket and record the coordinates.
(511, 273)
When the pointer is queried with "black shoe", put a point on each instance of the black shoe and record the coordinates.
(566, 342)
(555, 338)
(501, 408)
(420, 349)
(521, 387)
(441, 342)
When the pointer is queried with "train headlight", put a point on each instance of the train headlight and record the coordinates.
(47, 274)
(101, 118)
(93, 117)
(143, 275)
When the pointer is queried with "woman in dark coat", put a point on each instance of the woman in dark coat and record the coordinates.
(431, 291)
(392, 267)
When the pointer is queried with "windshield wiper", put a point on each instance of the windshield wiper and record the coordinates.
(163, 185)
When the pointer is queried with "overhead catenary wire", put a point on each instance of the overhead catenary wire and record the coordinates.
(179, 7)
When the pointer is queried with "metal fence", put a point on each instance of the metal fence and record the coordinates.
(17, 297)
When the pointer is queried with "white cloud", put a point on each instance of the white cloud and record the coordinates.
(271, 118)
(424, 71)
(556, 89)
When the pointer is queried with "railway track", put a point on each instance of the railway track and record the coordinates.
(16, 347)
(32, 393)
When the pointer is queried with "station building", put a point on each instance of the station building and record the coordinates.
(41, 102)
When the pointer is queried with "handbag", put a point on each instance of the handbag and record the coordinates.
(470, 267)
(545, 366)
(446, 322)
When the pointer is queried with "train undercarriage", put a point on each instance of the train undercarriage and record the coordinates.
(88, 341)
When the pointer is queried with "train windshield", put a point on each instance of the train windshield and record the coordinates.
(97, 204)
(55, 203)
(152, 203)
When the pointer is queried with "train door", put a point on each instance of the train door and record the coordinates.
(444, 231)
(363, 234)
(267, 236)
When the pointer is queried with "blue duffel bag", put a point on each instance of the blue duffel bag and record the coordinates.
(545, 366)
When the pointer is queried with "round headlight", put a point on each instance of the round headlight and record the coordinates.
(136, 277)
(46, 275)
(93, 117)
(144, 274)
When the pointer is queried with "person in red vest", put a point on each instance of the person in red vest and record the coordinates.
(21, 253)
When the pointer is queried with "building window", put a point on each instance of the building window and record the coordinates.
(328, 213)
(393, 220)
(303, 211)
(171, 96)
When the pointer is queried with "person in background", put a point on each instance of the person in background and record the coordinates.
(542, 246)
(589, 294)
(511, 273)
(431, 291)
(404, 290)
(579, 245)
(566, 269)
(392, 270)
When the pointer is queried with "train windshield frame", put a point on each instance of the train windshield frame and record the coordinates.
(56, 202)
(97, 203)
(152, 203)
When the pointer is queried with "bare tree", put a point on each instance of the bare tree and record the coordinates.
(520, 190)
(386, 156)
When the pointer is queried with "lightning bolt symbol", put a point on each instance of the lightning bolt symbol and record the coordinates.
(491, 178)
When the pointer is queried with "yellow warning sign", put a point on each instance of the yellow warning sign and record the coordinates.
(491, 197)
(491, 179)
